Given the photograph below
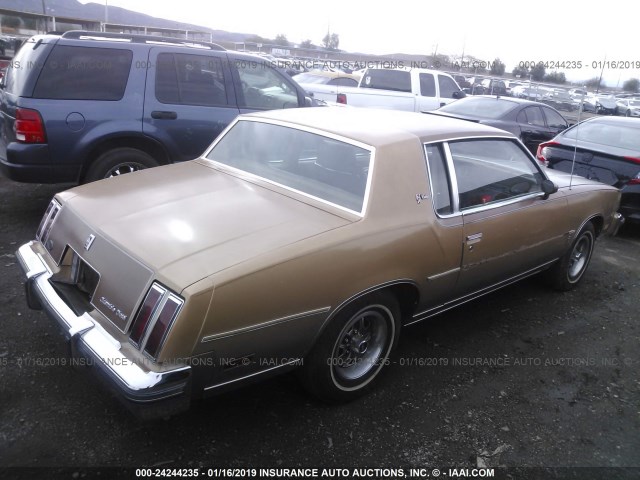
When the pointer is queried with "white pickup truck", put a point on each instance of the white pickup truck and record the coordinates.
(411, 89)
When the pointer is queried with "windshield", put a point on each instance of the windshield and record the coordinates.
(620, 136)
(325, 168)
(479, 107)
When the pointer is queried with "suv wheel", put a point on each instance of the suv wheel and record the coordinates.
(118, 162)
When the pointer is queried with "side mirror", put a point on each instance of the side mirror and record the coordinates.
(458, 94)
(548, 187)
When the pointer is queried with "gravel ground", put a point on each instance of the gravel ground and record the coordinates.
(525, 377)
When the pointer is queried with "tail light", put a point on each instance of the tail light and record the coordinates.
(542, 152)
(29, 126)
(342, 98)
(635, 180)
(154, 319)
(632, 159)
(47, 222)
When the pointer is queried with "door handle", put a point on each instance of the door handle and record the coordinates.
(160, 115)
(475, 238)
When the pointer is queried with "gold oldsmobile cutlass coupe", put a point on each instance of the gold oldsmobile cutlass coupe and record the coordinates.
(303, 238)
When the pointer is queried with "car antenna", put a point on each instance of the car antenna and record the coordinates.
(575, 145)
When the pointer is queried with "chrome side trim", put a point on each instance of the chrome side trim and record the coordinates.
(443, 274)
(235, 380)
(270, 323)
(455, 194)
(472, 296)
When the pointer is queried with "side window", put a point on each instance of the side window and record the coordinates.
(439, 179)
(427, 85)
(84, 73)
(554, 119)
(190, 80)
(492, 170)
(531, 116)
(447, 86)
(262, 88)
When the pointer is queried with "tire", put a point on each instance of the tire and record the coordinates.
(353, 349)
(627, 113)
(118, 162)
(569, 270)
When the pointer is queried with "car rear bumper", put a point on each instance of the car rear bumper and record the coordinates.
(616, 222)
(146, 393)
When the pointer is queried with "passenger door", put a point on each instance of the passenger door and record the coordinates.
(447, 88)
(189, 100)
(508, 227)
(261, 87)
(428, 97)
(533, 127)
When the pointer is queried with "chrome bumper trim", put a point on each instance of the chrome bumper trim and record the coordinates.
(91, 342)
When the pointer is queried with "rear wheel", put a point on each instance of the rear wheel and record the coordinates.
(118, 162)
(568, 271)
(627, 113)
(353, 349)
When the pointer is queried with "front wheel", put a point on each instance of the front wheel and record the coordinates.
(568, 271)
(118, 162)
(353, 349)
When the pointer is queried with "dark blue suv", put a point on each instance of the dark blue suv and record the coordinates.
(82, 106)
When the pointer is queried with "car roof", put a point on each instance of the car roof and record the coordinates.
(378, 127)
(616, 121)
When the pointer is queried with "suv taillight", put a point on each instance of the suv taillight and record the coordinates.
(154, 319)
(542, 152)
(29, 126)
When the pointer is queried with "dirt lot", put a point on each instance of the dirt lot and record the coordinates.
(525, 377)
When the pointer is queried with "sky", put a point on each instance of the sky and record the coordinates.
(554, 31)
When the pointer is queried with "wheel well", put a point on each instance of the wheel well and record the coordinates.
(149, 147)
(598, 223)
(407, 295)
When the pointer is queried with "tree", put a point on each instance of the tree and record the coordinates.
(632, 85)
(307, 44)
(281, 40)
(331, 41)
(497, 67)
(520, 72)
(537, 72)
(555, 77)
(10, 22)
(593, 83)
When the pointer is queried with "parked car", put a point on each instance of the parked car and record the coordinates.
(578, 93)
(302, 238)
(510, 86)
(528, 92)
(410, 89)
(628, 107)
(92, 105)
(560, 100)
(532, 122)
(600, 104)
(606, 149)
(490, 86)
(324, 77)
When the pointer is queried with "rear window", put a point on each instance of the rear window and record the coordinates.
(397, 80)
(84, 73)
(325, 168)
(612, 135)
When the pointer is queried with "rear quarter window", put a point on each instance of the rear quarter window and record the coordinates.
(84, 73)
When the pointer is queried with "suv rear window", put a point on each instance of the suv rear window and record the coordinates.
(84, 73)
